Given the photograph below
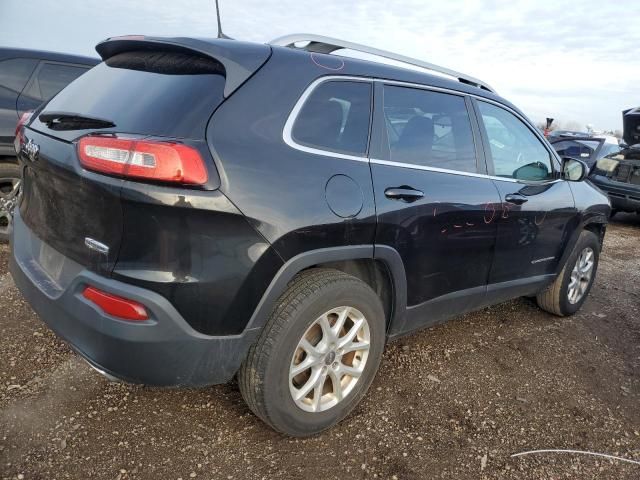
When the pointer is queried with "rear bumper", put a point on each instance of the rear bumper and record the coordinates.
(623, 196)
(164, 350)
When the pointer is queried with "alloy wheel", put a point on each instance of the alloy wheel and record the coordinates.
(329, 359)
(9, 192)
(581, 275)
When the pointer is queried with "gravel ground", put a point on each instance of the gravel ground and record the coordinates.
(455, 401)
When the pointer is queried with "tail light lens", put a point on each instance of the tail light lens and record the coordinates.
(19, 134)
(144, 159)
(116, 306)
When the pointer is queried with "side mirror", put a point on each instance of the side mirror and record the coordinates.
(574, 170)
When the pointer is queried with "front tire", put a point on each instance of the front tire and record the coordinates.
(570, 289)
(317, 354)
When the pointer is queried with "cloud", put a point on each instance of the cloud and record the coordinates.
(568, 60)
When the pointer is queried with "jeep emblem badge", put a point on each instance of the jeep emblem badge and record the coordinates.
(31, 149)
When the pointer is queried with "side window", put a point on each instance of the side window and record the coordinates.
(15, 72)
(429, 129)
(54, 77)
(336, 118)
(516, 152)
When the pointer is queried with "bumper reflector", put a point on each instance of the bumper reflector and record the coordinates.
(115, 306)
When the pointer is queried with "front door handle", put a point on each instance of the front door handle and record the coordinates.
(516, 198)
(404, 193)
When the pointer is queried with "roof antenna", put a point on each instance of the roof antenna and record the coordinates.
(220, 32)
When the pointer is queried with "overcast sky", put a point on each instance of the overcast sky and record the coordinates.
(574, 61)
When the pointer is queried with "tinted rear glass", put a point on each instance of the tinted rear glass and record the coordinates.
(152, 93)
(15, 72)
(335, 117)
(54, 77)
(429, 129)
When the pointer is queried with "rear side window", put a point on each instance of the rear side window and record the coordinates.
(582, 149)
(150, 93)
(429, 129)
(53, 77)
(515, 150)
(335, 118)
(15, 72)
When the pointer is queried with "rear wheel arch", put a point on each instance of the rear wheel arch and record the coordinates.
(382, 271)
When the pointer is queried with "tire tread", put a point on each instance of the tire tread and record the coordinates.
(252, 371)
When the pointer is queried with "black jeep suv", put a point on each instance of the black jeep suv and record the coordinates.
(195, 209)
(27, 78)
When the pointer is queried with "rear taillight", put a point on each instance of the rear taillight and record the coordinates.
(116, 306)
(19, 135)
(162, 161)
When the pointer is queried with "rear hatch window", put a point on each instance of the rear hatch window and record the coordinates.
(147, 93)
(143, 92)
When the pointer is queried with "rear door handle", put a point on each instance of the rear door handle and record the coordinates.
(516, 198)
(404, 193)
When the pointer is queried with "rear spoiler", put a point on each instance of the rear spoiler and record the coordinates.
(239, 59)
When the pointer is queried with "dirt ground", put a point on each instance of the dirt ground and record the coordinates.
(455, 401)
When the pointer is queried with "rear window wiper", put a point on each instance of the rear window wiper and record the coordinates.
(73, 121)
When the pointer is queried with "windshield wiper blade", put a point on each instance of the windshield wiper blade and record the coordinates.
(73, 121)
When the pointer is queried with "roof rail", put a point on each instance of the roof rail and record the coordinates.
(322, 44)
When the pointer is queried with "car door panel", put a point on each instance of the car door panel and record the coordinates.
(531, 236)
(536, 208)
(432, 205)
(446, 239)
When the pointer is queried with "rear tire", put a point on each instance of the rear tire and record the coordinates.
(312, 310)
(570, 289)
(9, 189)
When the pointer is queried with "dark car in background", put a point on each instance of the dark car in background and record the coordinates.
(618, 174)
(27, 79)
(588, 148)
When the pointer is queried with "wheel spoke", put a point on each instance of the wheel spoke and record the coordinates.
(317, 392)
(310, 384)
(351, 371)
(355, 347)
(310, 349)
(15, 188)
(337, 327)
(351, 334)
(337, 385)
(303, 366)
(327, 333)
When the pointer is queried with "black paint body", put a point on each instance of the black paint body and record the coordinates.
(221, 254)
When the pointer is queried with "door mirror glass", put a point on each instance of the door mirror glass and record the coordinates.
(574, 170)
(536, 171)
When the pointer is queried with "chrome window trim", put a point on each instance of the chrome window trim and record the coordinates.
(534, 130)
(288, 126)
(390, 163)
